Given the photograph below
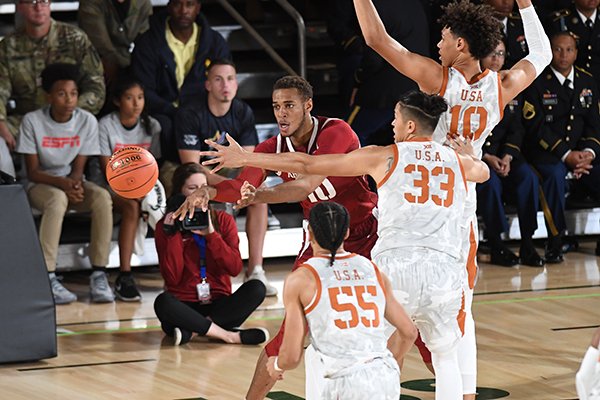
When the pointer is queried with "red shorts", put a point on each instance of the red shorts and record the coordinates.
(361, 240)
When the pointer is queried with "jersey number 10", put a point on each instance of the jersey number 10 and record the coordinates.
(357, 292)
(467, 133)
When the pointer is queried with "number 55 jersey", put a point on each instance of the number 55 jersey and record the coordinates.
(347, 329)
(421, 199)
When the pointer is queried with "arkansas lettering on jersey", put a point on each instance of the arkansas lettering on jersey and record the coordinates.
(421, 199)
(60, 142)
(474, 107)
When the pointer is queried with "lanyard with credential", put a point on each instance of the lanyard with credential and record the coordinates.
(203, 288)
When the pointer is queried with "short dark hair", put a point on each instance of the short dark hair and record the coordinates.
(423, 107)
(474, 23)
(59, 72)
(219, 61)
(295, 82)
(329, 222)
(566, 34)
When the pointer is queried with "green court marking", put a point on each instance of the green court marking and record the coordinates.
(283, 396)
(428, 385)
(563, 297)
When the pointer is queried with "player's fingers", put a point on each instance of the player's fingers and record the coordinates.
(211, 161)
(213, 144)
(208, 153)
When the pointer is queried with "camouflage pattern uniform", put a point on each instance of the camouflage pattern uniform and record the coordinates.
(113, 37)
(23, 59)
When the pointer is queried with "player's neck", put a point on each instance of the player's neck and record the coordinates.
(304, 132)
(469, 66)
(218, 108)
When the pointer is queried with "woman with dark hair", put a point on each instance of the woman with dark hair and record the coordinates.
(197, 266)
(343, 298)
(127, 126)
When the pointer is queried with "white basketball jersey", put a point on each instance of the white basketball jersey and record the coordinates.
(474, 109)
(421, 199)
(346, 316)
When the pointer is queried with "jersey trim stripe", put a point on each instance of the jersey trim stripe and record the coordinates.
(392, 168)
(460, 318)
(337, 257)
(462, 171)
(317, 297)
(500, 102)
(475, 79)
(472, 257)
(379, 278)
(445, 73)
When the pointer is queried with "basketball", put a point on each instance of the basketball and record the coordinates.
(132, 172)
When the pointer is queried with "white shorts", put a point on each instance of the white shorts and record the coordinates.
(378, 379)
(429, 285)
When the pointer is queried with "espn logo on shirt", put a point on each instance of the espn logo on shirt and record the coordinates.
(60, 142)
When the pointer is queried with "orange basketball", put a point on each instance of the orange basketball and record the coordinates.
(132, 172)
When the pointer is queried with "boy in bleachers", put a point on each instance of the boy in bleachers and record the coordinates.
(56, 141)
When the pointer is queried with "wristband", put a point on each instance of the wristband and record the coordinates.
(275, 366)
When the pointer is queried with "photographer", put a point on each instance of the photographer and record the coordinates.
(197, 258)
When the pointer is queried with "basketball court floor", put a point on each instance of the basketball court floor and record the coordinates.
(533, 327)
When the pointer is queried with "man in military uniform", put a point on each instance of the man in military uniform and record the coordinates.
(511, 177)
(582, 19)
(563, 135)
(26, 52)
(514, 35)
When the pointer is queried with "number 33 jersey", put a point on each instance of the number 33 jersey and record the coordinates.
(346, 316)
(421, 199)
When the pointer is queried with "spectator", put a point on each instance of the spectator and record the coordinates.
(582, 19)
(218, 113)
(377, 83)
(511, 176)
(514, 34)
(189, 260)
(113, 26)
(129, 126)
(56, 141)
(26, 52)
(170, 60)
(563, 131)
(587, 379)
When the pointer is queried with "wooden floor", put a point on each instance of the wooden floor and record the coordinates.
(533, 327)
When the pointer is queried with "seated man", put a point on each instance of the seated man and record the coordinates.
(26, 52)
(197, 266)
(511, 176)
(563, 135)
(219, 112)
(56, 141)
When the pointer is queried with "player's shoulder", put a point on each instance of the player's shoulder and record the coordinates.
(334, 129)
(267, 146)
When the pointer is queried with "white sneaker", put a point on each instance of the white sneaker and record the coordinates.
(100, 290)
(259, 275)
(60, 293)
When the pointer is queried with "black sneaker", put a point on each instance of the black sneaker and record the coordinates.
(126, 289)
(253, 335)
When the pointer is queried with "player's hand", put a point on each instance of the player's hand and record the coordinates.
(462, 146)
(198, 199)
(231, 156)
(248, 193)
(271, 368)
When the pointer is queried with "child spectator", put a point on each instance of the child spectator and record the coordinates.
(56, 141)
(128, 126)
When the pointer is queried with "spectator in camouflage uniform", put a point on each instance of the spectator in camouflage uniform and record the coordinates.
(113, 26)
(26, 52)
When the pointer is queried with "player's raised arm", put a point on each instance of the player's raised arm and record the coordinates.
(427, 73)
(372, 160)
(523, 73)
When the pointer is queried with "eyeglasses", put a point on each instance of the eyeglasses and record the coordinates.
(35, 2)
(499, 53)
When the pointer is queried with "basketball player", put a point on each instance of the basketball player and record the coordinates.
(301, 132)
(422, 192)
(475, 98)
(344, 299)
(587, 379)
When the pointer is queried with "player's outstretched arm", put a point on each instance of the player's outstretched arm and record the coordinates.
(523, 73)
(395, 314)
(372, 160)
(427, 73)
(475, 170)
(292, 345)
